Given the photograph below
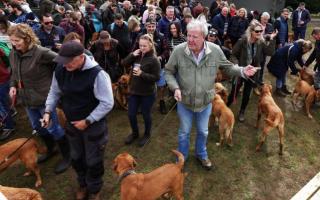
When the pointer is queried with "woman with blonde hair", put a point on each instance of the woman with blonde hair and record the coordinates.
(248, 50)
(32, 69)
(143, 78)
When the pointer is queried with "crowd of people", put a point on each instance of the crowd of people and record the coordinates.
(63, 52)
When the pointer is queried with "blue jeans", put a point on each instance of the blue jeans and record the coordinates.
(145, 102)
(36, 113)
(4, 106)
(202, 119)
(281, 81)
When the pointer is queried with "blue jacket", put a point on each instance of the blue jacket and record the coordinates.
(305, 17)
(282, 26)
(218, 23)
(49, 40)
(284, 58)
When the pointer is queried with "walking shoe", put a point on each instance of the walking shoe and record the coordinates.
(279, 93)
(6, 133)
(145, 139)
(241, 116)
(206, 163)
(163, 108)
(81, 193)
(94, 196)
(132, 137)
(285, 90)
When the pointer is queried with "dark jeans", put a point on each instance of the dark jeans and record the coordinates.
(299, 33)
(4, 106)
(87, 154)
(245, 95)
(145, 102)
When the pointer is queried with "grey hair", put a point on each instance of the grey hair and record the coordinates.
(265, 14)
(198, 24)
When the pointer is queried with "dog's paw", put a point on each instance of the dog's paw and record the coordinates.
(38, 183)
(27, 173)
(218, 144)
(310, 116)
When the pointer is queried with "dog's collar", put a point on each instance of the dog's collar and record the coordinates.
(125, 174)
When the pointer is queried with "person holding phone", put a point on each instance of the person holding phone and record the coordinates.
(143, 78)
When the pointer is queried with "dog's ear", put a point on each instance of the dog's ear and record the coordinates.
(134, 163)
(115, 165)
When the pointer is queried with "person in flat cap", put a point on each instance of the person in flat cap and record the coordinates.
(85, 93)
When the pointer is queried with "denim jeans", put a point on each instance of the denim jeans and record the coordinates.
(281, 81)
(202, 119)
(317, 80)
(36, 113)
(145, 102)
(4, 106)
(299, 33)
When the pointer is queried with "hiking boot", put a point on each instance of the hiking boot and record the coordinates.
(163, 108)
(241, 116)
(279, 92)
(132, 137)
(6, 133)
(81, 193)
(206, 163)
(94, 196)
(257, 91)
(145, 139)
(51, 150)
(285, 90)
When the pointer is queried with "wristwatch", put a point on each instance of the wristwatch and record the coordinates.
(88, 122)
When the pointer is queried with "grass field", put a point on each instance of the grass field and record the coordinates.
(240, 174)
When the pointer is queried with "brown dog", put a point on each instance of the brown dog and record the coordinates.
(20, 193)
(273, 116)
(222, 91)
(225, 117)
(166, 179)
(121, 91)
(303, 89)
(27, 154)
(306, 76)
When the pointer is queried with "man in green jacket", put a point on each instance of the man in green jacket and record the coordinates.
(190, 73)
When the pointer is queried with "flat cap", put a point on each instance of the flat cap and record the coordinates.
(68, 51)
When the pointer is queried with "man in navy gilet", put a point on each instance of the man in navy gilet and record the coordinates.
(85, 92)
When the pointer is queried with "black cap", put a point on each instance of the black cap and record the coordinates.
(68, 51)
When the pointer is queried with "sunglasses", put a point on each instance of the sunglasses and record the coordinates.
(258, 31)
(47, 23)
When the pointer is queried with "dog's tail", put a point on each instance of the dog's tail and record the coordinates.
(180, 162)
(40, 149)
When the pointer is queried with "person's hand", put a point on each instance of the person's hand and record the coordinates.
(81, 124)
(45, 120)
(136, 71)
(249, 70)
(13, 92)
(136, 52)
(274, 34)
(304, 67)
(177, 95)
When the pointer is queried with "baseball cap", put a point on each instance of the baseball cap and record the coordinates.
(68, 51)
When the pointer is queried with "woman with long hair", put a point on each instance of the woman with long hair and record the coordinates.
(175, 35)
(143, 78)
(248, 51)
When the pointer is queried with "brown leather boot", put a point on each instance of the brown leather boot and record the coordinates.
(81, 193)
